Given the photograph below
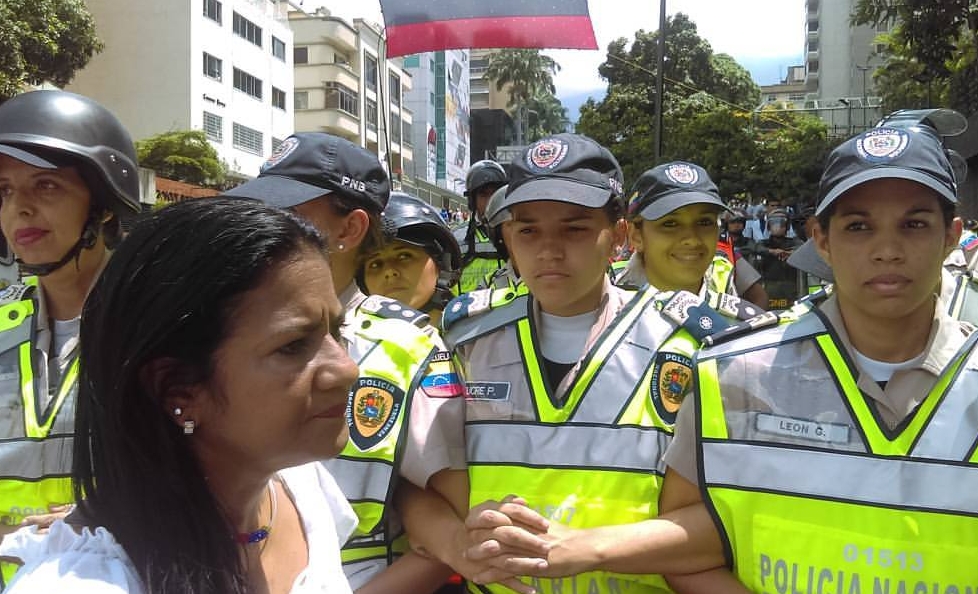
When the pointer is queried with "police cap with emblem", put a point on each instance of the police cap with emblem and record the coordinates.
(671, 186)
(308, 165)
(913, 153)
(565, 168)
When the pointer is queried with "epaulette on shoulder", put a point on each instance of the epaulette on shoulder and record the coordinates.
(16, 292)
(475, 303)
(391, 309)
(691, 312)
(764, 320)
(731, 306)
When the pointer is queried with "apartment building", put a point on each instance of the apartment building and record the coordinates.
(839, 63)
(223, 66)
(345, 85)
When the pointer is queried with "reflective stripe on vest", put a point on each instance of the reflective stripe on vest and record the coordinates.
(36, 446)
(719, 277)
(876, 513)
(595, 459)
(367, 476)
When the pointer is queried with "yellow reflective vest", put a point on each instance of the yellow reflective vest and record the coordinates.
(591, 457)
(478, 273)
(35, 439)
(392, 354)
(813, 493)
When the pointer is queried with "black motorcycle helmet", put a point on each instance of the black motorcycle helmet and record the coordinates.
(496, 215)
(415, 222)
(56, 129)
(482, 173)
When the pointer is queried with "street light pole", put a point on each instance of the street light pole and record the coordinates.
(659, 75)
(864, 69)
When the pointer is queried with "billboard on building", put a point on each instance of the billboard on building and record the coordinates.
(456, 118)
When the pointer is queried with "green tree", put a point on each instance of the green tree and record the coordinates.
(697, 82)
(528, 73)
(43, 41)
(931, 52)
(183, 155)
(545, 115)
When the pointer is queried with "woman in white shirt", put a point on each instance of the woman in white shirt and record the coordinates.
(212, 374)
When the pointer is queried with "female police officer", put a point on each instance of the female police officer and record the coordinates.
(67, 173)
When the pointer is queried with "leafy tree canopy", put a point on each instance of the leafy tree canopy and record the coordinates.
(43, 41)
(709, 118)
(183, 155)
(931, 52)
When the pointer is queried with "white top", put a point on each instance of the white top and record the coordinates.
(94, 563)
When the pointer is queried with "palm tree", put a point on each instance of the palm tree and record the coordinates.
(527, 72)
(546, 115)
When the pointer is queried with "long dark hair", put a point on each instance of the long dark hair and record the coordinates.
(167, 294)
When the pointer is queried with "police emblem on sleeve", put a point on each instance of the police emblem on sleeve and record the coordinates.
(373, 411)
(672, 377)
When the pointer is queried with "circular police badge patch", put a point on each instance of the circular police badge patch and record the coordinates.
(706, 323)
(285, 149)
(373, 411)
(682, 173)
(672, 376)
(547, 154)
(883, 144)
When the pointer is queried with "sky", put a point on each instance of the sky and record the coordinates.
(765, 36)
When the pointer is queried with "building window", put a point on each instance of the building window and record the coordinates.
(431, 98)
(813, 66)
(370, 72)
(406, 132)
(278, 98)
(212, 10)
(212, 67)
(370, 114)
(213, 127)
(300, 100)
(341, 59)
(796, 97)
(276, 142)
(247, 83)
(246, 29)
(247, 139)
(394, 84)
(341, 97)
(300, 55)
(431, 64)
(395, 128)
(278, 48)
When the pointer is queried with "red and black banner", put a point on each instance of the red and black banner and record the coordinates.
(415, 26)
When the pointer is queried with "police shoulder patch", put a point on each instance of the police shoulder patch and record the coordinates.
(372, 410)
(440, 379)
(672, 375)
(391, 309)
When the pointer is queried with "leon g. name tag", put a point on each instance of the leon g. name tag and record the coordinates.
(800, 429)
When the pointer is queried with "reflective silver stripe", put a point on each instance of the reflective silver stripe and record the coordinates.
(566, 446)
(358, 573)
(856, 478)
(15, 336)
(624, 367)
(361, 479)
(951, 432)
(807, 325)
(36, 459)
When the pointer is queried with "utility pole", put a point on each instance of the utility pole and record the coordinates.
(864, 69)
(659, 75)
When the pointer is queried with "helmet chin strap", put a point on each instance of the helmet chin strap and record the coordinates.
(86, 240)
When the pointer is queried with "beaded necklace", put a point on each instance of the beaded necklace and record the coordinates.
(256, 536)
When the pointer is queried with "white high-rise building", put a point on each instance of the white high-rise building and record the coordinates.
(223, 66)
(839, 63)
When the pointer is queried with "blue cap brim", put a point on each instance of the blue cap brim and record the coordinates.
(885, 173)
(277, 191)
(557, 189)
(665, 205)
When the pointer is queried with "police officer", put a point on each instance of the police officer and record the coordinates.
(67, 175)
(837, 452)
(673, 212)
(479, 256)
(407, 380)
(496, 215)
(419, 262)
(780, 278)
(571, 394)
